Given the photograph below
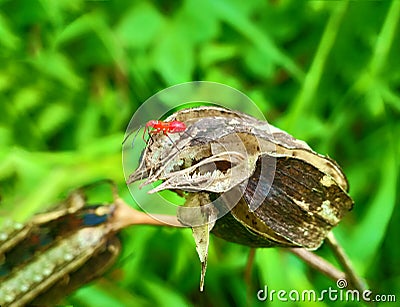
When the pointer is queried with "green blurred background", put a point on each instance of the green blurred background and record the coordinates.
(73, 72)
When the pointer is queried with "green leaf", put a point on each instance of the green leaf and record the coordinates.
(59, 67)
(214, 53)
(261, 39)
(139, 26)
(53, 117)
(173, 57)
(75, 29)
(8, 39)
(371, 230)
(189, 21)
(162, 294)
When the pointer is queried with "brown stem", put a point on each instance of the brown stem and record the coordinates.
(125, 216)
(328, 269)
(345, 262)
(247, 275)
(318, 263)
(249, 265)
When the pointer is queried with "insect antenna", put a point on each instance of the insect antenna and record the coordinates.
(129, 134)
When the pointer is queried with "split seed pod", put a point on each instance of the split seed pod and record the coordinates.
(56, 252)
(246, 181)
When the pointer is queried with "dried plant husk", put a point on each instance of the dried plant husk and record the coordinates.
(56, 252)
(264, 188)
(294, 212)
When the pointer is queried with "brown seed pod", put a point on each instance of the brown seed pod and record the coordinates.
(56, 252)
(301, 207)
(246, 181)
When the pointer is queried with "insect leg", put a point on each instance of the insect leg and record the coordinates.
(173, 143)
(152, 140)
(185, 132)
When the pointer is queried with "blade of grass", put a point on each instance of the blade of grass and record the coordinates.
(313, 76)
(235, 18)
(369, 233)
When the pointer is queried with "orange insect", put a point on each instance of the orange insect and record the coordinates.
(164, 127)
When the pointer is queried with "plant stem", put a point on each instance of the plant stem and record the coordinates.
(318, 263)
(345, 262)
(247, 275)
(125, 216)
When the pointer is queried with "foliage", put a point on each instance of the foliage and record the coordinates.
(73, 72)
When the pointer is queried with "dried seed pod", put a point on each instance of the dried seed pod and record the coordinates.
(56, 252)
(265, 188)
(301, 207)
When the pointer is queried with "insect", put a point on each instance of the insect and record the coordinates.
(160, 126)
(164, 127)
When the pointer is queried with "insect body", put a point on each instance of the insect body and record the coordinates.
(160, 126)
(164, 127)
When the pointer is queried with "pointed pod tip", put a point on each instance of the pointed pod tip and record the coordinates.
(203, 273)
